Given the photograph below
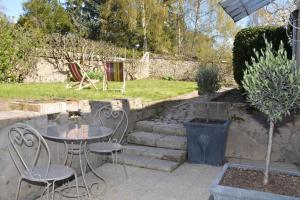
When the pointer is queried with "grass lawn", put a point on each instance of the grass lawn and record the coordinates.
(148, 90)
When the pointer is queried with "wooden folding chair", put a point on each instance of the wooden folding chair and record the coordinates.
(114, 72)
(80, 76)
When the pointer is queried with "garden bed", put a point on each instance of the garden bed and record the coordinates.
(231, 96)
(279, 183)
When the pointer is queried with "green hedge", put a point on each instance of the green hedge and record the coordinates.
(249, 39)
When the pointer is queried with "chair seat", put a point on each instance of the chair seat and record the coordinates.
(104, 147)
(55, 173)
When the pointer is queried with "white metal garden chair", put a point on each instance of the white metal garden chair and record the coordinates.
(118, 117)
(25, 147)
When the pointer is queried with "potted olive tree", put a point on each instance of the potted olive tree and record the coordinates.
(272, 85)
(206, 138)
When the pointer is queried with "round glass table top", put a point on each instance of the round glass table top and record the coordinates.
(76, 132)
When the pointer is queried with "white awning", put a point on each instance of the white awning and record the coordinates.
(238, 9)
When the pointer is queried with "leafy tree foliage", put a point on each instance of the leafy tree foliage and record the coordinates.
(273, 87)
(85, 15)
(18, 48)
(190, 28)
(47, 15)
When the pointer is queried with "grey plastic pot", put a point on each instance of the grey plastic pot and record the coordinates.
(220, 192)
(206, 142)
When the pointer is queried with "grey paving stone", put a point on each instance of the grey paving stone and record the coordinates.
(157, 140)
(149, 163)
(170, 129)
(155, 152)
(146, 126)
(144, 138)
(163, 128)
(172, 142)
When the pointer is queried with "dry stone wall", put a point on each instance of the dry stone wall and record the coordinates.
(247, 135)
(177, 69)
(48, 70)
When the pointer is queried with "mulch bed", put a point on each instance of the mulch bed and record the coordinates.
(232, 96)
(250, 179)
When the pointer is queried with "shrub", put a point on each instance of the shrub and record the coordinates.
(208, 79)
(249, 39)
(272, 83)
(169, 78)
(96, 75)
(18, 48)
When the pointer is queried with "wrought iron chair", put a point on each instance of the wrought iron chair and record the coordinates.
(113, 146)
(25, 147)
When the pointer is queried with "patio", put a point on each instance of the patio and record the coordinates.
(188, 182)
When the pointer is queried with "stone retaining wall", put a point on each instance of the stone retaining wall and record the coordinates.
(47, 70)
(177, 69)
(247, 136)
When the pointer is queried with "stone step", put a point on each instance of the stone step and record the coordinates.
(155, 152)
(3, 106)
(149, 163)
(157, 140)
(41, 107)
(163, 128)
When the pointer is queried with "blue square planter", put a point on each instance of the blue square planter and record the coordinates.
(220, 192)
(206, 142)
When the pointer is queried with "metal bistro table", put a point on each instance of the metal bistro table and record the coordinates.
(79, 136)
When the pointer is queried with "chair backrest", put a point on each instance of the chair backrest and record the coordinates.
(114, 71)
(113, 117)
(75, 70)
(25, 147)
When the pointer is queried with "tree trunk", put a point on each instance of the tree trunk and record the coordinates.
(180, 17)
(196, 29)
(144, 25)
(269, 152)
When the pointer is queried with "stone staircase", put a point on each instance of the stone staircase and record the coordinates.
(156, 146)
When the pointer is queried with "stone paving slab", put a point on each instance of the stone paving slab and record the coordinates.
(157, 140)
(143, 138)
(163, 128)
(9, 117)
(149, 163)
(173, 142)
(188, 182)
(170, 129)
(155, 152)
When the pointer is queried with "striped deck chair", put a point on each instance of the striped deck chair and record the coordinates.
(114, 72)
(80, 76)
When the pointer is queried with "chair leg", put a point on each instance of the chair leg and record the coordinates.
(113, 160)
(48, 190)
(81, 82)
(53, 190)
(76, 182)
(124, 166)
(18, 188)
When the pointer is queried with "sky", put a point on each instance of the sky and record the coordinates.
(12, 8)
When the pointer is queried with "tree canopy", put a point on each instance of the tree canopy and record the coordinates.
(190, 28)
